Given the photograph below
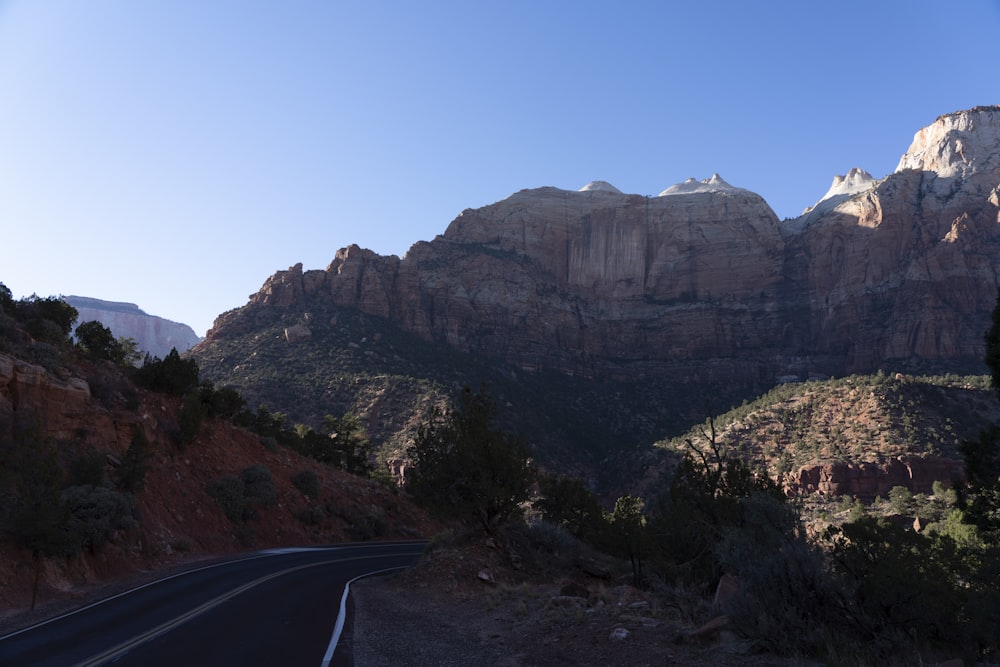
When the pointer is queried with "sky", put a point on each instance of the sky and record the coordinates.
(176, 154)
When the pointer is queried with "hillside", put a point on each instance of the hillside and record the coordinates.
(369, 366)
(858, 436)
(85, 417)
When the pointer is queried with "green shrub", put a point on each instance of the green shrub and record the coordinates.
(88, 469)
(130, 476)
(258, 486)
(96, 513)
(307, 482)
(367, 525)
(192, 414)
(310, 516)
(228, 493)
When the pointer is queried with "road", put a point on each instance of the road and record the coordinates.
(275, 607)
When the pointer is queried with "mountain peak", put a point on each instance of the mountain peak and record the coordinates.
(844, 186)
(714, 184)
(957, 144)
(600, 186)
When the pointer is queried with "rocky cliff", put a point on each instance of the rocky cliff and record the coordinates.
(597, 283)
(153, 334)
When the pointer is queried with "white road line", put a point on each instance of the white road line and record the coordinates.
(342, 616)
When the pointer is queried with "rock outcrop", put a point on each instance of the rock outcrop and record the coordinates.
(866, 480)
(152, 334)
(703, 284)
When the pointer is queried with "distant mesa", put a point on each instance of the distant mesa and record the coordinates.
(600, 186)
(714, 184)
(152, 334)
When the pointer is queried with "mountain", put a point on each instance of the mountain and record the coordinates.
(153, 334)
(663, 309)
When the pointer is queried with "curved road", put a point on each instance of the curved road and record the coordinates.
(277, 607)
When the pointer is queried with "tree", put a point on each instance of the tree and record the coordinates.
(347, 444)
(992, 340)
(566, 501)
(38, 519)
(170, 375)
(628, 524)
(6, 300)
(980, 497)
(97, 339)
(50, 319)
(465, 467)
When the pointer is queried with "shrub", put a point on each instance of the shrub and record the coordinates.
(96, 513)
(307, 482)
(88, 469)
(367, 525)
(900, 499)
(192, 414)
(228, 493)
(258, 486)
(310, 516)
(784, 588)
(45, 356)
(130, 476)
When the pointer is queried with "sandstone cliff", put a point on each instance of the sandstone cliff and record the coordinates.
(153, 334)
(600, 283)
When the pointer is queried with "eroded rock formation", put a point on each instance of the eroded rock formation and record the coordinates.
(593, 282)
(866, 480)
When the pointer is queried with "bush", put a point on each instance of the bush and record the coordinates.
(130, 476)
(228, 493)
(258, 486)
(785, 595)
(367, 525)
(307, 482)
(88, 469)
(192, 414)
(45, 356)
(96, 514)
(310, 516)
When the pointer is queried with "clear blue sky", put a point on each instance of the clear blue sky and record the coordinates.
(176, 153)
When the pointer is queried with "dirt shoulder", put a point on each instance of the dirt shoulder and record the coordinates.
(398, 624)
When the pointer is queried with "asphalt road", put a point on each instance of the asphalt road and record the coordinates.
(275, 607)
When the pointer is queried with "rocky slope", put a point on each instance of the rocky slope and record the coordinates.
(152, 334)
(858, 436)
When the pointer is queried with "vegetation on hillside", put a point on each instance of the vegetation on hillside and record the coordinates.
(855, 418)
(389, 379)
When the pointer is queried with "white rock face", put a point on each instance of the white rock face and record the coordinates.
(844, 187)
(600, 186)
(957, 144)
(714, 184)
